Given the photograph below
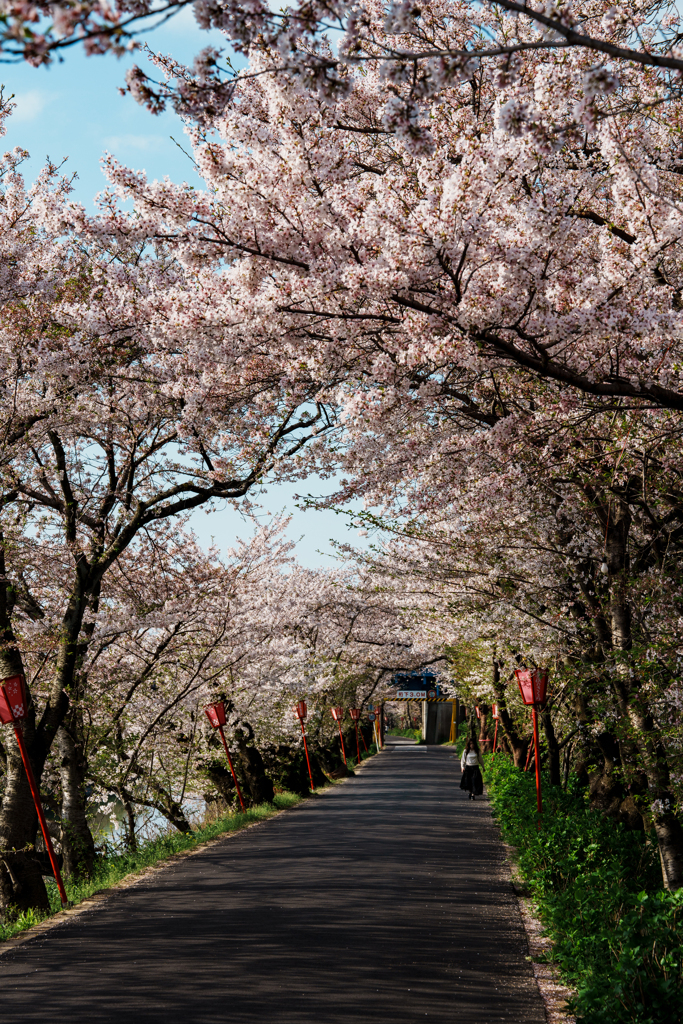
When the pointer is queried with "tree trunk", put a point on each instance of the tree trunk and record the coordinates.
(518, 745)
(257, 788)
(21, 880)
(483, 727)
(78, 845)
(129, 824)
(652, 756)
(553, 749)
(221, 777)
(171, 809)
(667, 825)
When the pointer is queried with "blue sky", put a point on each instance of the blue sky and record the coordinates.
(74, 110)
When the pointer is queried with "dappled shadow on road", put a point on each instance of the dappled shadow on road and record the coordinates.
(383, 900)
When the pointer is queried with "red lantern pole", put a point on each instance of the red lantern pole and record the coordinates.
(533, 686)
(216, 715)
(495, 731)
(300, 710)
(232, 769)
(41, 816)
(537, 757)
(355, 715)
(14, 708)
(338, 714)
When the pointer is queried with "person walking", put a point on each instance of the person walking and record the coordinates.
(471, 779)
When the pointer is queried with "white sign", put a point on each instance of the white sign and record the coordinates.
(411, 695)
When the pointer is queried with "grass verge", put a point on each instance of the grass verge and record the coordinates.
(411, 734)
(616, 933)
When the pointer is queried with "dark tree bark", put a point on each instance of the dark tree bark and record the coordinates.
(483, 727)
(159, 799)
(553, 748)
(652, 756)
(78, 845)
(518, 744)
(21, 880)
(129, 821)
(257, 787)
(221, 778)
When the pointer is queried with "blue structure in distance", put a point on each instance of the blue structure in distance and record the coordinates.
(417, 681)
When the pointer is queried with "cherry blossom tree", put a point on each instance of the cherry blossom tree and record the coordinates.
(484, 300)
(177, 629)
(559, 544)
(431, 43)
(472, 273)
(113, 426)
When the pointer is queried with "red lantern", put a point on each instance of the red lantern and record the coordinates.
(13, 700)
(355, 713)
(494, 711)
(14, 709)
(338, 714)
(216, 715)
(533, 684)
(301, 709)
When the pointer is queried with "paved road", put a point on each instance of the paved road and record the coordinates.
(385, 900)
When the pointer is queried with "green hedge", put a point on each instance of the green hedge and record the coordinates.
(616, 933)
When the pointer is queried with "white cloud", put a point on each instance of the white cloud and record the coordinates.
(31, 104)
(183, 23)
(141, 143)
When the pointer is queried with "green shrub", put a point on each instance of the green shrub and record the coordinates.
(411, 734)
(598, 890)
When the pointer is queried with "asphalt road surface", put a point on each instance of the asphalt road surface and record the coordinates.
(386, 899)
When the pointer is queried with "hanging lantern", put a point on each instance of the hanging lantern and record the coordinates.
(533, 684)
(13, 700)
(355, 713)
(338, 715)
(300, 710)
(216, 713)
